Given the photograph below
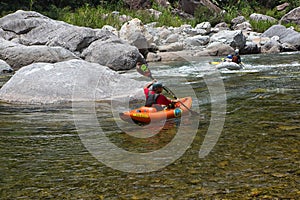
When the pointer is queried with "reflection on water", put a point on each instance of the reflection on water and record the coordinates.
(256, 157)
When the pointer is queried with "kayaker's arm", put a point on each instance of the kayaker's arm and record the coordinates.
(149, 84)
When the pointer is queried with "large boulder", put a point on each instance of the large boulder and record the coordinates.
(235, 39)
(18, 55)
(272, 46)
(137, 35)
(195, 41)
(292, 17)
(251, 48)
(114, 53)
(261, 17)
(219, 49)
(73, 80)
(32, 28)
(286, 35)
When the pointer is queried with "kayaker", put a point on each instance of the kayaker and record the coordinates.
(154, 98)
(228, 58)
(236, 57)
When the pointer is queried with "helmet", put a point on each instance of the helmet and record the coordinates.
(236, 51)
(157, 85)
(229, 56)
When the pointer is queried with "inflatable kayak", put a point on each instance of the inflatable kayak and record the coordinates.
(148, 114)
(227, 65)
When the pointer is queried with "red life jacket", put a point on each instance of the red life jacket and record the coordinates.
(235, 59)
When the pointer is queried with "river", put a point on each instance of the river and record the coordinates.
(255, 155)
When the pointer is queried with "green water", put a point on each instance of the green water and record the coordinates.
(256, 156)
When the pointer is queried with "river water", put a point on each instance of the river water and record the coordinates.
(256, 155)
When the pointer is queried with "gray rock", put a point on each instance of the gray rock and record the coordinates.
(137, 35)
(282, 6)
(197, 40)
(245, 26)
(153, 57)
(114, 53)
(273, 46)
(164, 33)
(73, 80)
(261, 17)
(285, 35)
(288, 47)
(219, 49)
(17, 55)
(203, 28)
(177, 46)
(220, 27)
(32, 28)
(251, 48)
(292, 17)
(235, 39)
(111, 29)
(172, 38)
(5, 68)
(237, 20)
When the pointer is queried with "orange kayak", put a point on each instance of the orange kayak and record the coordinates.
(147, 114)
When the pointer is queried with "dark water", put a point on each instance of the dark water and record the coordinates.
(257, 155)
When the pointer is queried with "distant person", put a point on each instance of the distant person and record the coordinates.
(154, 98)
(228, 58)
(236, 57)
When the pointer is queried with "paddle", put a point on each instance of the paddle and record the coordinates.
(145, 71)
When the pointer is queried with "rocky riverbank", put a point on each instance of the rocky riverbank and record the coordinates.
(29, 37)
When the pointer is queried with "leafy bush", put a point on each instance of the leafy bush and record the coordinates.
(296, 26)
(261, 26)
(231, 12)
(203, 14)
(98, 17)
(275, 13)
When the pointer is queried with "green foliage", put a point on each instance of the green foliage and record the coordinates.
(296, 26)
(231, 12)
(90, 17)
(275, 13)
(167, 19)
(203, 14)
(97, 13)
(261, 26)
(98, 17)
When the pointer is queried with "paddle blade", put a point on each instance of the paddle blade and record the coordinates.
(214, 63)
(144, 70)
